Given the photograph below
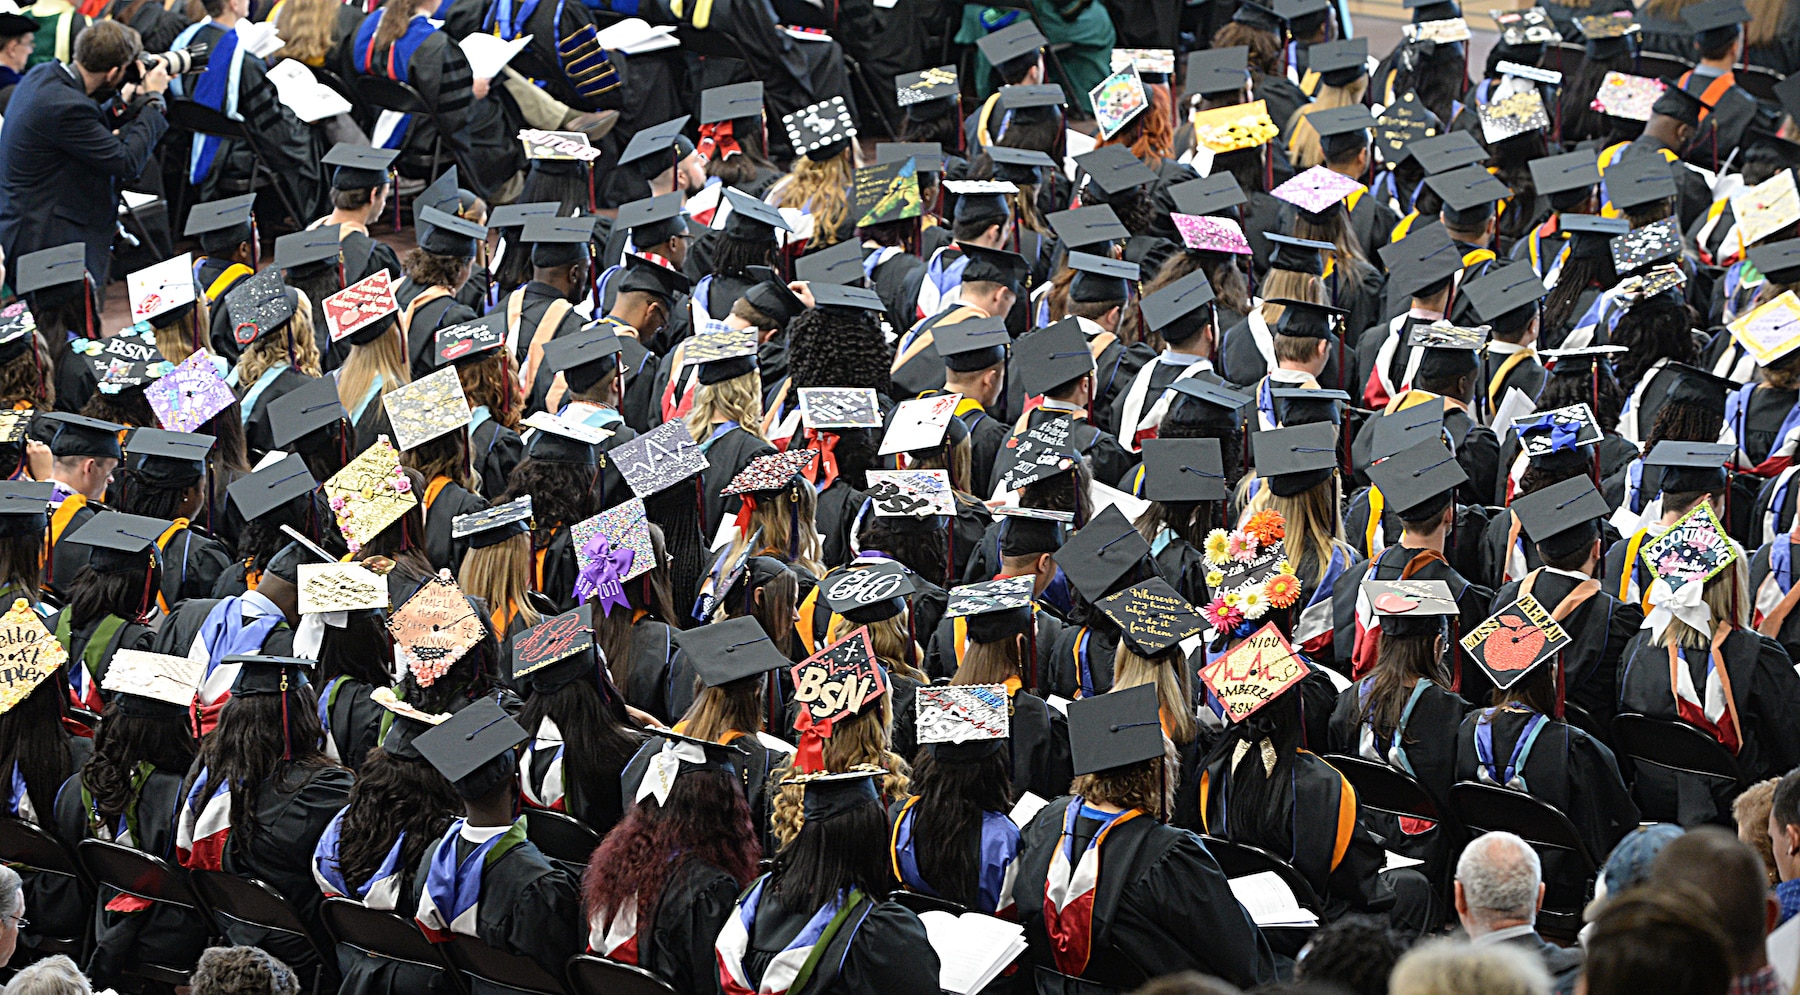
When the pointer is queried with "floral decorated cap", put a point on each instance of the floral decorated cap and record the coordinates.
(1248, 573)
(434, 629)
(370, 493)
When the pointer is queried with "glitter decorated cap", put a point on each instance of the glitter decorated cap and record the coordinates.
(1646, 246)
(259, 305)
(1208, 234)
(370, 493)
(1317, 190)
(770, 472)
(965, 723)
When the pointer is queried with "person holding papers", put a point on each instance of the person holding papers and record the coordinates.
(1153, 901)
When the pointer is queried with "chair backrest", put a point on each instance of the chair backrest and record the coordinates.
(712, 42)
(476, 959)
(1486, 808)
(925, 903)
(560, 837)
(1657, 65)
(250, 901)
(389, 95)
(26, 844)
(1241, 859)
(1676, 746)
(189, 115)
(1385, 789)
(137, 873)
(590, 975)
(1759, 82)
(379, 932)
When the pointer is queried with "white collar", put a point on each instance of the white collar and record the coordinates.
(481, 834)
(1170, 358)
(1090, 327)
(256, 604)
(1506, 348)
(1571, 574)
(1052, 404)
(1281, 374)
(1502, 935)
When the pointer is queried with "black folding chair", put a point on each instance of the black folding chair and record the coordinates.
(1679, 748)
(253, 903)
(1485, 808)
(152, 879)
(590, 975)
(560, 837)
(483, 963)
(384, 935)
(1759, 82)
(1661, 65)
(1242, 860)
(924, 903)
(392, 95)
(29, 848)
(189, 115)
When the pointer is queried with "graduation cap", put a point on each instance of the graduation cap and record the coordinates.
(1176, 311)
(1117, 100)
(473, 749)
(427, 408)
(359, 167)
(819, 130)
(1040, 452)
(659, 459)
(1415, 478)
(882, 194)
(1234, 128)
(1402, 125)
(153, 685)
(370, 493)
(1183, 470)
(1693, 551)
(1115, 169)
(1342, 131)
(442, 193)
(24, 507)
(1690, 467)
(311, 247)
(1469, 193)
(936, 83)
(1591, 235)
(1514, 640)
(557, 241)
(986, 265)
(918, 423)
(1779, 261)
(1767, 208)
(1506, 297)
(1053, 356)
(1088, 227)
(474, 339)
(1679, 104)
(840, 265)
(492, 526)
(1152, 617)
(1223, 400)
(729, 650)
(1260, 16)
(1573, 172)
(1317, 190)
(259, 305)
(771, 296)
(1015, 41)
(1638, 180)
(556, 652)
(1410, 608)
(1304, 319)
(868, 594)
(221, 224)
(1099, 278)
(770, 472)
(1297, 255)
(1397, 431)
(722, 355)
(839, 407)
(62, 266)
(1208, 234)
(309, 408)
(79, 435)
(751, 219)
(827, 796)
(16, 327)
(644, 275)
(515, 215)
(653, 220)
(1339, 63)
(1449, 151)
(1208, 195)
(853, 298)
(447, 234)
(169, 457)
(1561, 518)
(928, 155)
(1646, 246)
(1523, 28)
(1297, 458)
(1422, 261)
(1559, 429)
(975, 344)
(436, 627)
(1717, 23)
(660, 138)
(1028, 97)
(261, 675)
(965, 723)
(1116, 729)
(995, 609)
(583, 358)
(1519, 113)
(1215, 72)
(119, 542)
(1101, 553)
(562, 440)
(731, 103)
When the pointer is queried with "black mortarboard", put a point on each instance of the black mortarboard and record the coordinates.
(1177, 311)
(1638, 180)
(1562, 515)
(1208, 195)
(119, 543)
(1298, 255)
(1443, 153)
(1308, 405)
(272, 487)
(515, 215)
(822, 130)
(980, 200)
(647, 276)
(730, 103)
(1415, 478)
(64, 265)
(1295, 459)
(1342, 130)
(1087, 227)
(1259, 16)
(560, 441)
(928, 157)
(268, 674)
(1574, 172)
(1022, 536)
(1224, 400)
(1100, 278)
(221, 224)
(359, 167)
(1403, 124)
(1040, 452)
(751, 219)
(827, 796)
(1690, 467)
(1716, 23)
(854, 298)
(441, 193)
(558, 241)
(1699, 388)
(1469, 193)
(730, 650)
(1506, 297)
(1678, 104)
(259, 305)
(1115, 169)
(925, 85)
(1410, 608)
(1590, 235)
(1015, 41)
(1779, 261)
(771, 296)
(1053, 356)
(1306, 320)
(473, 749)
(1183, 470)
(79, 435)
(653, 220)
(1116, 729)
(660, 138)
(1102, 553)
(1024, 98)
(1292, 10)
(1422, 261)
(995, 266)
(169, 457)
(1398, 431)
(1339, 63)
(1218, 71)
(840, 264)
(868, 594)
(307, 248)
(445, 234)
(1637, 248)
(492, 526)
(1152, 617)
(473, 339)
(585, 357)
(312, 406)
(24, 507)
(975, 344)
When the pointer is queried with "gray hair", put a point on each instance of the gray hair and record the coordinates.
(1446, 967)
(52, 976)
(12, 892)
(241, 971)
(1500, 874)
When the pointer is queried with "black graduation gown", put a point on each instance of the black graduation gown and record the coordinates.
(1766, 692)
(67, 558)
(1761, 422)
(192, 562)
(453, 500)
(497, 451)
(53, 903)
(1477, 452)
(881, 949)
(1241, 363)
(1372, 222)
(1081, 661)
(1568, 770)
(835, 517)
(555, 568)
(535, 298)
(290, 812)
(897, 280)
(1789, 633)
(1601, 628)
(642, 404)
(1105, 456)
(529, 907)
(1528, 375)
(697, 898)
(259, 431)
(1472, 600)
(290, 148)
(353, 721)
(161, 934)
(661, 679)
(1426, 742)
(1467, 544)
(726, 456)
(421, 335)
(1161, 905)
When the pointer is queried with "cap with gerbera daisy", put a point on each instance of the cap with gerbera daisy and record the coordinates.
(1248, 572)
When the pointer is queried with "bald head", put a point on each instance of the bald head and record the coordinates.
(1498, 881)
(1714, 861)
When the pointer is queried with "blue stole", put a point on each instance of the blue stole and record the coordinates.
(262, 383)
(505, 22)
(217, 88)
(999, 847)
(325, 861)
(394, 65)
(1514, 775)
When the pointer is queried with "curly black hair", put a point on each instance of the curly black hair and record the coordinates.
(734, 256)
(1355, 953)
(828, 347)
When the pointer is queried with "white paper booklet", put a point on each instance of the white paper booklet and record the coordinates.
(635, 36)
(972, 948)
(488, 54)
(1270, 901)
(259, 38)
(309, 99)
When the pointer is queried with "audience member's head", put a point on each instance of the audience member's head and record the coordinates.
(242, 971)
(52, 976)
(1713, 861)
(1355, 953)
(1663, 939)
(1499, 884)
(1445, 967)
(12, 912)
(1187, 983)
(1629, 863)
(1751, 813)
(1784, 826)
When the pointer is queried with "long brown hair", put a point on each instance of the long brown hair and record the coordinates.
(493, 382)
(1400, 663)
(391, 28)
(307, 27)
(500, 575)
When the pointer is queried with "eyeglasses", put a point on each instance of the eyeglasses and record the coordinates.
(20, 922)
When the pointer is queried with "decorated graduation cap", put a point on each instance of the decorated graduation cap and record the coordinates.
(1401, 126)
(1298, 255)
(840, 265)
(120, 542)
(1179, 311)
(16, 327)
(473, 340)
(474, 749)
(646, 275)
(1469, 194)
(1506, 298)
(1410, 608)
(822, 130)
(1639, 180)
(926, 85)
(556, 439)
(965, 723)
(1115, 171)
(222, 225)
(556, 652)
(1254, 673)
(445, 234)
(770, 472)
(259, 305)
(1422, 263)
(1218, 72)
(1514, 115)
(837, 682)
(1690, 467)
(1116, 729)
(1608, 35)
(1088, 228)
(427, 408)
(868, 594)
(1626, 96)
(1053, 357)
(1100, 278)
(436, 627)
(994, 610)
(312, 407)
(359, 167)
(659, 459)
(1207, 195)
(1102, 553)
(1419, 481)
(918, 423)
(1210, 234)
(1152, 617)
(153, 685)
(1447, 152)
(370, 493)
(751, 219)
(1514, 640)
(1646, 246)
(839, 407)
(162, 293)
(1318, 191)
(32, 654)
(409, 724)
(1557, 430)
(1117, 100)
(1018, 40)
(1566, 179)
(722, 355)
(1237, 128)
(493, 526)
(79, 435)
(47, 269)
(272, 487)
(1295, 459)
(1040, 452)
(168, 457)
(1562, 519)
(557, 241)
(24, 507)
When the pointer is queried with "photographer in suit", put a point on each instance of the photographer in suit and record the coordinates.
(61, 162)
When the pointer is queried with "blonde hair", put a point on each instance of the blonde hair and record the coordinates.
(821, 189)
(1286, 284)
(991, 663)
(1446, 967)
(856, 740)
(1726, 597)
(1303, 141)
(307, 27)
(272, 349)
(738, 399)
(385, 357)
(719, 711)
(500, 575)
(1174, 687)
(1313, 525)
(774, 515)
(891, 640)
(176, 340)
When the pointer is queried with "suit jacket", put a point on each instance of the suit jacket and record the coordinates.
(60, 164)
